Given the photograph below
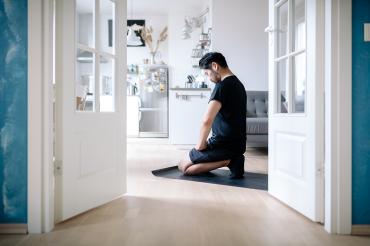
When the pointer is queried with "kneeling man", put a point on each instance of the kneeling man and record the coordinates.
(226, 115)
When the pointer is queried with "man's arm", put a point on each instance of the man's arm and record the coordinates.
(208, 118)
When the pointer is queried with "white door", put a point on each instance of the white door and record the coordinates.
(296, 105)
(90, 105)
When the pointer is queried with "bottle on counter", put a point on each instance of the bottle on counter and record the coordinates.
(189, 84)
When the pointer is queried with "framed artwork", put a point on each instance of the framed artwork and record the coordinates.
(140, 23)
(129, 23)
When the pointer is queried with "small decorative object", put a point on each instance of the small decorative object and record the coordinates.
(200, 81)
(203, 85)
(162, 86)
(132, 69)
(146, 35)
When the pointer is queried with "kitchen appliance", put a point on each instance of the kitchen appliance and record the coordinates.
(152, 84)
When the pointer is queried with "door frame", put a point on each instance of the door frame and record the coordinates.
(40, 117)
(338, 84)
(338, 116)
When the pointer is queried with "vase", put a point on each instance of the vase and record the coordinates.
(153, 57)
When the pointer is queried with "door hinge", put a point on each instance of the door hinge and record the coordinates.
(321, 171)
(57, 167)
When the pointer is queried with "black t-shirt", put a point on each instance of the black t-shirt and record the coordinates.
(229, 126)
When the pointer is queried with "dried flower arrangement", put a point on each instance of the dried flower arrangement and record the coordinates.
(146, 35)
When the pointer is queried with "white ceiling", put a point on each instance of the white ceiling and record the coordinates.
(163, 7)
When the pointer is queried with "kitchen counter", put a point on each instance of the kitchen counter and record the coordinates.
(189, 89)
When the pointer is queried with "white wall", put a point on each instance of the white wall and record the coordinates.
(135, 55)
(180, 50)
(238, 33)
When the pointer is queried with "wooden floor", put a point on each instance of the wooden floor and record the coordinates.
(158, 211)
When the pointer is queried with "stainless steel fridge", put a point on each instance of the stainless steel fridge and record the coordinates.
(152, 83)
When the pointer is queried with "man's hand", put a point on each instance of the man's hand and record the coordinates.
(201, 146)
(212, 110)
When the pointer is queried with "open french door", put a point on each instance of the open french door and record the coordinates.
(296, 105)
(90, 104)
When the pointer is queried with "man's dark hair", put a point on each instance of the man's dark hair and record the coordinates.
(207, 59)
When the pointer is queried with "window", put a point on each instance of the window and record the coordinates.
(290, 56)
(95, 58)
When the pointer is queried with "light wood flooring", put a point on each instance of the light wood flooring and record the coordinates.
(158, 211)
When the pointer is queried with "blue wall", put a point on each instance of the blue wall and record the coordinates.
(13, 111)
(360, 114)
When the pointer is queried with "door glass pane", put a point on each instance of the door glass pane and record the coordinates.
(299, 82)
(282, 85)
(107, 26)
(282, 29)
(85, 84)
(299, 25)
(85, 22)
(107, 89)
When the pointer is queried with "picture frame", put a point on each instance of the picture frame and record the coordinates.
(139, 22)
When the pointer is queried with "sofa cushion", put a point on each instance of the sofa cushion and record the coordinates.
(257, 103)
(257, 126)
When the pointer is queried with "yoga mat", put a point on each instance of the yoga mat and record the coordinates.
(219, 176)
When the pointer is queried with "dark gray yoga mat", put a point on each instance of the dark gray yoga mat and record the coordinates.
(219, 176)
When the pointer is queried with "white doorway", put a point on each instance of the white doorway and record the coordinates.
(73, 101)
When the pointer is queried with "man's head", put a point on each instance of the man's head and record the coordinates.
(214, 65)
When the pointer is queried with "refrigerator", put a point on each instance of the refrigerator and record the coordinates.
(152, 89)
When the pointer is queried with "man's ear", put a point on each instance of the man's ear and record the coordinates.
(214, 66)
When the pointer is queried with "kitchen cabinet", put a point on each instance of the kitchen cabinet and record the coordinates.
(187, 107)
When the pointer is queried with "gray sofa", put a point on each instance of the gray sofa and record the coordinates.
(257, 118)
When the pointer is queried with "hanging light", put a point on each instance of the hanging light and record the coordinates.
(132, 38)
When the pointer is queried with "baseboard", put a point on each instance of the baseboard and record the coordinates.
(13, 228)
(361, 230)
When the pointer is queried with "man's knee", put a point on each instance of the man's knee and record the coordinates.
(185, 169)
(181, 167)
(184, 164)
